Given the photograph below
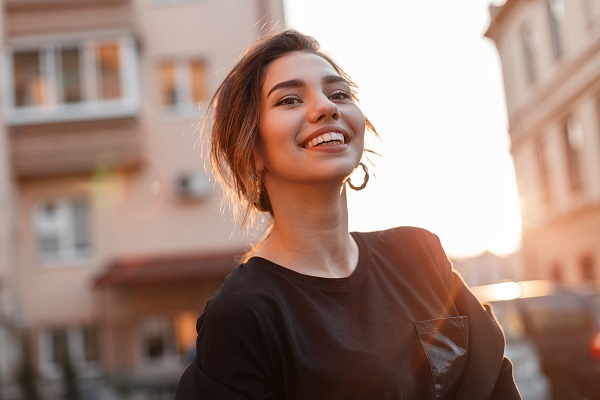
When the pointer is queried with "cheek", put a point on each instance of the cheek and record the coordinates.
(356, 119)
(278, 129)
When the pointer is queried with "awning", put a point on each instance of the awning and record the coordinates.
(149, 270)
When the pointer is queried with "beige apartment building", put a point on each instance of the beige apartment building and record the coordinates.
(111, 235)
(550, 54)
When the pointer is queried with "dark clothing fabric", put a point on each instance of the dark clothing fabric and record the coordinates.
(403, 325)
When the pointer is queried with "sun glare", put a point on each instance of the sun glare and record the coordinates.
(436, 100)
(498, 291)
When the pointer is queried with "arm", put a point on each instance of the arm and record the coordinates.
(232, 359)
(488, 371)
(195, 384)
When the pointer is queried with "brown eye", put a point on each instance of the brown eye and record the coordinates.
(340, 95)
(288, 101)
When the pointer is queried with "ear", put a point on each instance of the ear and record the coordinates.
(259, 162)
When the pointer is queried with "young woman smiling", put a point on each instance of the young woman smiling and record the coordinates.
(317, 312)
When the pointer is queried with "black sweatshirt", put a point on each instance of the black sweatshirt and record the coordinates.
(403, 325)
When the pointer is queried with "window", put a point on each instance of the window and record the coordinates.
(556, 273)
(183, 85)
(70, 74)
(157, 339)
(588, 270)
(108, 70)
(185, 330)
(573, 141)
(556, 12)
(74, 80)
(544, 173)
(62, 230)
(79, 343)
(30, 85)
(529, 53)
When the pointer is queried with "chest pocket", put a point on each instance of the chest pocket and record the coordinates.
(445, 342)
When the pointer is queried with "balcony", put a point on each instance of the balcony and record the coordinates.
(71, 148)
(71, 105)
(44, 17)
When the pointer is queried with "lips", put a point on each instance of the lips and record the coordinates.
(326, 136)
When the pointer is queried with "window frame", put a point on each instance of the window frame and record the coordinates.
(544, 172)
(75, 345)
(574, 152)
(168, 334)
(65, 229)
(527, 41)
(91, 106)
(184, 84)
(556, 26)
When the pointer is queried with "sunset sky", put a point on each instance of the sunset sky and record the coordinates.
(432, 86)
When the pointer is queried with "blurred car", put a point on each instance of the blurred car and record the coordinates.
(550, 327)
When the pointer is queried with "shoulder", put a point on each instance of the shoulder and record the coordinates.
(403, 237)
(411, 247)
(244, 295)
(237, 331)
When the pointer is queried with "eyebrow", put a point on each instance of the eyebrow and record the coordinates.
(295, 83)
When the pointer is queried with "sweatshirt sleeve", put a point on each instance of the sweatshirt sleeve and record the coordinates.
(195, 384)
(489, 374)
(232, 359)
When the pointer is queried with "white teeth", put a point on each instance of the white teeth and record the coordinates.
(329, 138)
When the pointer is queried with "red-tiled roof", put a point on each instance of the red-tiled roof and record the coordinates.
(167, 269)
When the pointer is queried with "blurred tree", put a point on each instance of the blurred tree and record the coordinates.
(69, 375)
(26, 374)
(122, 383)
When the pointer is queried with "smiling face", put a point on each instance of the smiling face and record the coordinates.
(310, 129)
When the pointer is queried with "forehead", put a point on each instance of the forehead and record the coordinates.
(297, 65)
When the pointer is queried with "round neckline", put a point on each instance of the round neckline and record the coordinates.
(345, 282)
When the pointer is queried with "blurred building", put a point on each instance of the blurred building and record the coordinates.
(487, 268)
(111, 236)
(550, 54)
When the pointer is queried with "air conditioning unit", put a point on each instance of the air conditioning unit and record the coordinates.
(193, 186)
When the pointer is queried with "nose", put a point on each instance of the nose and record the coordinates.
(323, 108)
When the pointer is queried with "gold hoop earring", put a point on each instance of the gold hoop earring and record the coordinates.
(365, 179)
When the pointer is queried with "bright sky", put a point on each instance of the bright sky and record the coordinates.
(432, 86)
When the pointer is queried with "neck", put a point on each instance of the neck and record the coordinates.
(310, 232)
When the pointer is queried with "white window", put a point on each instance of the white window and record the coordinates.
(157, 339)
(573, 139)
(556, 13)
(62, 230)
(72, 80)
(183, 85)
(79, 343)
(544, 172)
(528, 43)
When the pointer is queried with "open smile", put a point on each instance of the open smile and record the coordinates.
(326, 136)
(326, 139)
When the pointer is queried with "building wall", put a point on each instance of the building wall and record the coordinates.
(126, 166)
(552, 86)
(8, 310)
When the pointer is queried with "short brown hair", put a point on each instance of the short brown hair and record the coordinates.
(235, 119)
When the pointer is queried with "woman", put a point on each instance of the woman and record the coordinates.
(317, 312)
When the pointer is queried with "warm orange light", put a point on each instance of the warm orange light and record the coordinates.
(595, 345)
(498, 291)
